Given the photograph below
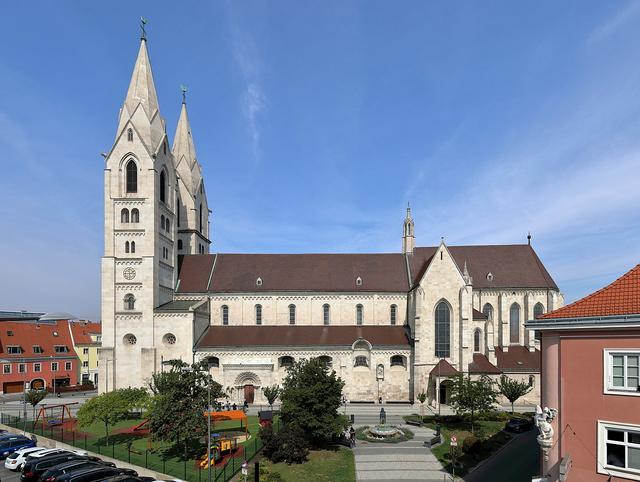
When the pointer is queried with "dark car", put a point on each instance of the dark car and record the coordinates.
(127, 478)
(11, 444)
(95, 473)
(34, 467)
(518, 425)
(52, 474)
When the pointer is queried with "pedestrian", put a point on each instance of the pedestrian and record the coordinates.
(234, 406)
(245, 406)
(352, 436)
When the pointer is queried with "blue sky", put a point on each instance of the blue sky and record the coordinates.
(316, 123)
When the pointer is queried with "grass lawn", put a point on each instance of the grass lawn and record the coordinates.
(488, 431)
(337, 465)
(158, 456)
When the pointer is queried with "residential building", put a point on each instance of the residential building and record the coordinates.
(36, 352)
(86, 338)
(383, 321)
(590, 363)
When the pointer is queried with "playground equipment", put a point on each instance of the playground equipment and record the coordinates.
(220, 447)
(53, 415)
(140, 426)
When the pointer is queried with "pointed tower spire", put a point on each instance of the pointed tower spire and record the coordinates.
(408, 237)
(184, 152)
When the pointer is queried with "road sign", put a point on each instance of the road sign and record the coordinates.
(454, 441)
(245, 468)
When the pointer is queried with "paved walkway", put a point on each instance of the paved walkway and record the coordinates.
(408, 461)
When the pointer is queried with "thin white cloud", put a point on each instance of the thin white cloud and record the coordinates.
(615, 22)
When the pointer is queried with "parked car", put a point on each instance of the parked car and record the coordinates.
(126, 478)
(11, 444)
(34, 468)
(97, 473)
(56, 471)
(16, 460)
(47, 452)
(518, 425)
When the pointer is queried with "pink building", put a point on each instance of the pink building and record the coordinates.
(590, 363)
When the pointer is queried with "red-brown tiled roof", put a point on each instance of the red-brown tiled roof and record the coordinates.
(518, 358)
(479, 315)
(27, 334)
(82, 332)
(287, 335)
(444, 369)
(481, 364)
(622, 297)
(513, 266)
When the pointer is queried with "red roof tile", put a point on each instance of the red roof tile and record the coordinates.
(27, 334)
(518, 358)
(444, 369)
(287, 335)
(622, 297)
(479, 315)
(481, 364)
(82, 332)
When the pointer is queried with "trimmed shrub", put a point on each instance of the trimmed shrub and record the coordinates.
(289, 445)
(470, 444)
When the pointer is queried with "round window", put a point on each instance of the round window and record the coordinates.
(130, 339)
(170, 339)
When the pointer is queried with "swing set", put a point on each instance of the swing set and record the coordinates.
(53, 415)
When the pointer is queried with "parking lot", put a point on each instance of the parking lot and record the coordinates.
(6, 475)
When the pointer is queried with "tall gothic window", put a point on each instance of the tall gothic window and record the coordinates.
(393, 314)
(124, 215)
(200, 217)
(163, 188)
(167, 225)
(179, 244)
(487, 310)
(326, 312)
(258, 314)
(129, 134)
(292, 314)
(162, 222)
(126, 246)
(178, 212)
(135, 215)
(225, 315)
(133, 246)
(129, 302)
(359, 314)
(538, 310)
(132, 176)
(514, 323)
(443, 328)
(476, 339)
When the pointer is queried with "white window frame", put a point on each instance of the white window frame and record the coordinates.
(67, 365)
(602, 466)
(55, 366)
(22, 368)
(4, 369)
(607, 386)
(14, 349)
(37, 367)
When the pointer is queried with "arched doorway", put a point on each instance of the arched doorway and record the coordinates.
(246, 384)
(249, 393)
(445, 392)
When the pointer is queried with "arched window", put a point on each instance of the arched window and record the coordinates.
(443, 328)
(133, 246)
(397, 361)
(477, 334)
(292, 314)
(213, 362)
(167, 225)
(326, 360)
(129, 134)
(129, 302)
(514, 323)
(359, 315)
(361, 361)
(393, 314)
(532, 380)
(225, 315)
(286, 361)
(178, 211)
(162, 222)
(326, 312)
(258, 314)
(124, 215)
(487, 310)
(135, 215)
(200, 217)
(126, 247)
(538, 310)
(163, 188)
(179, 244)
(132, 176)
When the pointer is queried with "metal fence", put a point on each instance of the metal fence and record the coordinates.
(189, 470)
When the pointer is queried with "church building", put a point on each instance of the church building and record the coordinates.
(392, 325)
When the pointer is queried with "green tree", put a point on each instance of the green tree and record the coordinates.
(33, 397)
(422, 397)
(472, 396)
(311, 396)
(110, 407)
(177, 409)
(272, 394)
(513, 389)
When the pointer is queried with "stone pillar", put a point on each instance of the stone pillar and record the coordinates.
(550, 397)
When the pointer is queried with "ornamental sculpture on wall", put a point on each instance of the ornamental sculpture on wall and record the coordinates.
(543, 419)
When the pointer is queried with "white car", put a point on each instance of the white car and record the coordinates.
(42, 453)
(16, 460)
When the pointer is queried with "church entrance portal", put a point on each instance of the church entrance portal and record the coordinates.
(249, 392)
(445, 392)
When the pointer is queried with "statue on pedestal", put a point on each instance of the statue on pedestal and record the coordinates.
(543, 419)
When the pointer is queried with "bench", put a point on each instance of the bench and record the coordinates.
(433, 441)
(415, 423)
